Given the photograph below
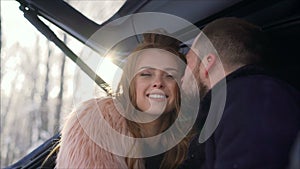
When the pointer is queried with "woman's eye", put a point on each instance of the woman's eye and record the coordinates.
(170, 76)
(145, 74)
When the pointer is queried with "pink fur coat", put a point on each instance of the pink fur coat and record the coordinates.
(83, 131)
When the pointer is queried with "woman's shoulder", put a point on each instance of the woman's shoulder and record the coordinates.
(86, 139)
(98, 109)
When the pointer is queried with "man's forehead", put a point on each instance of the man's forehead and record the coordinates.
(196, 44)
(192, 55)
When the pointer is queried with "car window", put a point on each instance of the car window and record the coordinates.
(97, 11)
(37, 80)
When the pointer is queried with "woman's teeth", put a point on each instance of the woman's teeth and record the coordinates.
(157, 96)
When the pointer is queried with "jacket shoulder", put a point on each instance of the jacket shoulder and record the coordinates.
(86, 137)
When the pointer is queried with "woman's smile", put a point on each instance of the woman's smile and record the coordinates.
(157, 96)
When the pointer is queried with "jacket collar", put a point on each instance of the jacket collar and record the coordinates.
(244, 71)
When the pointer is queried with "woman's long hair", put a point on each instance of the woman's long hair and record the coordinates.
(127, 97)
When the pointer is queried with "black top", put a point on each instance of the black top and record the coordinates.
(258, 126)
(154, 161)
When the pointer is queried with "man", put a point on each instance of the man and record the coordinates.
(254, 122)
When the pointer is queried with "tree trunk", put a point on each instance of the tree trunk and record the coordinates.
(34, 113)
(8, 106)
(44, 102)
(60, 95)
(1, 73)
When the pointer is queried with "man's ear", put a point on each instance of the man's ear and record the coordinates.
(209, 62)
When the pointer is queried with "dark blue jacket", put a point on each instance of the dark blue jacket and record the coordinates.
(259, 124)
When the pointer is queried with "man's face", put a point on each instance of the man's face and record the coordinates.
(192, 82)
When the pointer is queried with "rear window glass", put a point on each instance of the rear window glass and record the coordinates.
(98, 11)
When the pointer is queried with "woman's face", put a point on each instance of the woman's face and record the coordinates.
(156, 78)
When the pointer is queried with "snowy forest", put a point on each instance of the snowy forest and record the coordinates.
(37, 79)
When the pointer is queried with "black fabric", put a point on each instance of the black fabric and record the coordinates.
(259, 124)
(154, 161)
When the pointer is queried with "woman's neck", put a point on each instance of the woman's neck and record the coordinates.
(154, 127)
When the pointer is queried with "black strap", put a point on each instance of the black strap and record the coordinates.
(31, 16)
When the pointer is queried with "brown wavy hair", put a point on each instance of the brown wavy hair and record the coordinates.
(176, 155)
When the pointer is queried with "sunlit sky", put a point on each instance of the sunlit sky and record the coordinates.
(14, 27)
(17, 30)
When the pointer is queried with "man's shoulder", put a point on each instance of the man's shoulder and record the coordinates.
(262, 84)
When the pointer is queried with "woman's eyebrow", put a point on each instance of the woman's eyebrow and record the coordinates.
(165, 69)
(145, 67)
(171, 69)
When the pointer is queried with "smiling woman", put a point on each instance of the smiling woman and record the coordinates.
(127, 130)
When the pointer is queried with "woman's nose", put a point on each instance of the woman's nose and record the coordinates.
(158, 82)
